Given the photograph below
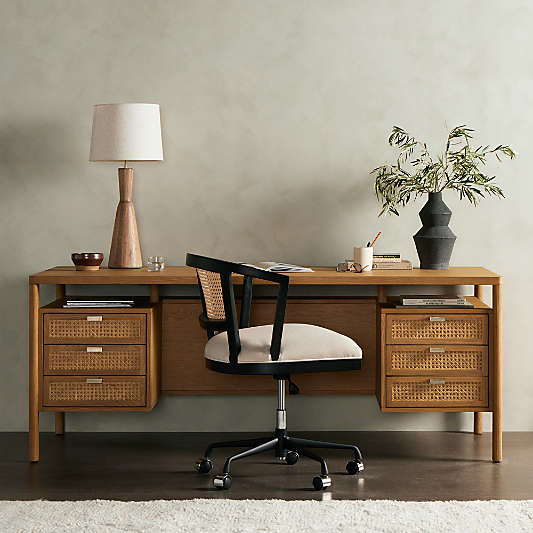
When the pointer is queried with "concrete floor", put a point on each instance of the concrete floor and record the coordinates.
(146, 466)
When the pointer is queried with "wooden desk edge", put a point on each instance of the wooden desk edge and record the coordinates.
(182, 275)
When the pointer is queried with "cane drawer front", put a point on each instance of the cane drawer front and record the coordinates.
(88, 328)
(423, 359)
(113, 359)
(437, 391)
(91, 391)
(438, 328)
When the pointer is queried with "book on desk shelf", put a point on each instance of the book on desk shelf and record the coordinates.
(81, 302)
(349, 266)
(432, 301)
(387, 258)
(403, 264)
(271, 266)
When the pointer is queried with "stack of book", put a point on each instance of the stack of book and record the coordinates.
(421, 302)
(390, 262)
(79, 302)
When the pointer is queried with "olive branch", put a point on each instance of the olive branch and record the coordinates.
(416, 172)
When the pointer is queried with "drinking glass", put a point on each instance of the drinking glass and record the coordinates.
(156, 263)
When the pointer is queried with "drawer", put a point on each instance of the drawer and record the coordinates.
(437, 391)
(90, 391)
(421, 359)
(81, 359)
(88, 328)
(437, 328)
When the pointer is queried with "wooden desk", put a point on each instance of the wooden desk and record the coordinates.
(181, 275)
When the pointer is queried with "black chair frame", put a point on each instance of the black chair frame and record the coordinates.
(225, 269)
(286, 448)
(231, 325)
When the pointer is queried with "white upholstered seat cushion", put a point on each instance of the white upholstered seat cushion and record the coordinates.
(300, 342)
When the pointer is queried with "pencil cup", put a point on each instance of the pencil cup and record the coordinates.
(363, 258)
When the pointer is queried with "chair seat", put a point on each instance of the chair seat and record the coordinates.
(300, 343)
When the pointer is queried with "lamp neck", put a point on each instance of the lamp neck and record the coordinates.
(125, 184)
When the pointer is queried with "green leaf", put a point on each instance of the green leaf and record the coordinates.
(415, 173)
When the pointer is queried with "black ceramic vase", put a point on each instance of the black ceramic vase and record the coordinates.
(434, 241)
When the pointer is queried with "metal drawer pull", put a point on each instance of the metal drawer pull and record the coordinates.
(94, 319)
(437, 381)
(94, 380)
(94, 349)
(437, 350)
(437, 319)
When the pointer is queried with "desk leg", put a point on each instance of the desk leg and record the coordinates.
(497, 375)
(33, 385)
(478, 423)
(60, 423)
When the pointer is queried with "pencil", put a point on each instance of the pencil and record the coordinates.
(374, 241)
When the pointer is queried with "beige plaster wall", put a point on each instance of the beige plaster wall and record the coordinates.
(273, 111)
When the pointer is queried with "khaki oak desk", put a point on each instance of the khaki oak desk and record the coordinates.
(120, 359)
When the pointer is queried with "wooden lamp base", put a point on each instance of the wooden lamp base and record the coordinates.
(125, 247)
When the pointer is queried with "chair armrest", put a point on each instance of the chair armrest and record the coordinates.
(218, 265)
(259, 273)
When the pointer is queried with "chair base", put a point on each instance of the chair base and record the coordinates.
(285, 448)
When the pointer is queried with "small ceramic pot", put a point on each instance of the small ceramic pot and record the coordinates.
(87, 260)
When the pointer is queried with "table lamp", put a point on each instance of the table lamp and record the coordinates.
(126, 132)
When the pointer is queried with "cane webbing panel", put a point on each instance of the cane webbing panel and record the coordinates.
(212, 291)
(77, 329)
(420, 392)
(110, 360)
(76, 392)
(419, 359)
(420, 329)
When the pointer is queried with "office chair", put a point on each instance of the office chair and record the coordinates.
(278, 350)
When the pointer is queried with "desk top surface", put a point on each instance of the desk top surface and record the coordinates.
(183, 275)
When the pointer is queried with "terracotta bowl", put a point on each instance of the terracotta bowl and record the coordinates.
(87, 260)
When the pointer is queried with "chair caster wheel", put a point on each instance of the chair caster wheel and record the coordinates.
(204, 465)
(292, 458)
(321, 482)
(354, 467)
(222, 482)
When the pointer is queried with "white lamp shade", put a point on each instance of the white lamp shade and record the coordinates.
(126, 132)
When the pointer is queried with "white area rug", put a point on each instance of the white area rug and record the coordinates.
(279, 516)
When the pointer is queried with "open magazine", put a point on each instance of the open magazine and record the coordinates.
(272, 266)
